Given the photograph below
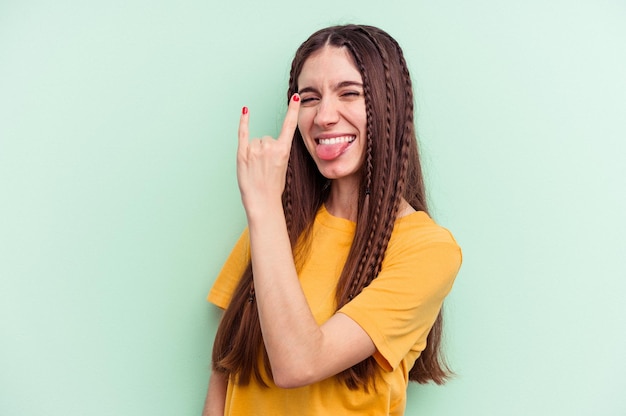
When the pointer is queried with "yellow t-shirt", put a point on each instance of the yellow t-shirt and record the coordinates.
(396, 310)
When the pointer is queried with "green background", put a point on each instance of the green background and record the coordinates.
(119, 201)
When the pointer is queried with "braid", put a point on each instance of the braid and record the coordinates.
(381, 224)
(414, 191)
(287, 196)
(287, 192)
(389, 136)
(357, 280)
(404, 138)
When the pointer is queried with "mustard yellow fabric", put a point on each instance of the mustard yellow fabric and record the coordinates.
(396, 310)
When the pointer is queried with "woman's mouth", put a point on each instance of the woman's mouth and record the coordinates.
(332, 147)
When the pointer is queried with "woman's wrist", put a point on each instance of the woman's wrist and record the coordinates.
(262, 211)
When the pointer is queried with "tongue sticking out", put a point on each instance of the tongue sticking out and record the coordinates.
(331, 151)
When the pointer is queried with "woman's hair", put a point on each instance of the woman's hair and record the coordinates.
(391, 171)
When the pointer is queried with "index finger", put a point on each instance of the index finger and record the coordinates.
(243, 129)
(291, 119)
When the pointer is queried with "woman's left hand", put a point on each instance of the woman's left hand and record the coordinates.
(262, 163)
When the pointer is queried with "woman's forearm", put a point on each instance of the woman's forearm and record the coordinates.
(292, 336)
(300, 351)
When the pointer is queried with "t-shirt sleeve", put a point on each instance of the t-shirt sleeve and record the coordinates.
(228, 278)
(399, 307)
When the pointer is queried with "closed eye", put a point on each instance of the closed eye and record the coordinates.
(309, 100)
(351, 95)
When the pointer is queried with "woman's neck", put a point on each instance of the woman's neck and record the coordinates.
(343, 199)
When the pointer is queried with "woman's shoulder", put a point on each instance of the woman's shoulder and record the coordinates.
(417, 228)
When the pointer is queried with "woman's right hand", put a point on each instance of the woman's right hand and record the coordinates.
(262, 162)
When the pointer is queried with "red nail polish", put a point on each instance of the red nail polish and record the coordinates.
(296, 97)
(244, 110)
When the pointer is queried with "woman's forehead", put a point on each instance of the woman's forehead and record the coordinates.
(329, 65)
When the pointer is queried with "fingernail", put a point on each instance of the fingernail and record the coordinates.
(296, 97)
(244, 110)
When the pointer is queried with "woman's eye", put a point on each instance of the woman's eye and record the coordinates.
(351, 94)
(308, 100)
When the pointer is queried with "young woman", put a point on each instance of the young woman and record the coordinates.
(332, 295)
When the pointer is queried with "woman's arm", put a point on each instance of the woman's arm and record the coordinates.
(301, 352)
(216, 395)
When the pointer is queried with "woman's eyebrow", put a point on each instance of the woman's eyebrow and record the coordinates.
(342, 84)
(348, 84)
(308, 89)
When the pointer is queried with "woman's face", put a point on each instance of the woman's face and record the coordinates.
(332, 119)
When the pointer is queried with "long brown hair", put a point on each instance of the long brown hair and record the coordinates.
(391, 171)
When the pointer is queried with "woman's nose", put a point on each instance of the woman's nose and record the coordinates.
(327, 113)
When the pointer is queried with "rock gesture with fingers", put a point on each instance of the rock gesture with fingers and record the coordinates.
(262, 162)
